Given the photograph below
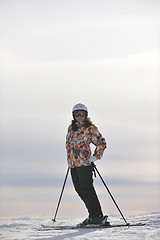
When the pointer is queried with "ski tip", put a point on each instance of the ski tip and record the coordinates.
(53, 220)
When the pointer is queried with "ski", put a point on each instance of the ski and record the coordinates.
(91, 226)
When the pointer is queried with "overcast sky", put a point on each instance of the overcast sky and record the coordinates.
(55, 54)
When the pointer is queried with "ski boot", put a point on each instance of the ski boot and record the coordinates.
(94, 221)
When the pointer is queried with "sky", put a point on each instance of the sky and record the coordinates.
(54, 54)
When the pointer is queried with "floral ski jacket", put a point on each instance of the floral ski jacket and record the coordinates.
(78, 145)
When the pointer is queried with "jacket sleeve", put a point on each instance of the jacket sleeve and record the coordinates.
(98, 141)
(68, 137)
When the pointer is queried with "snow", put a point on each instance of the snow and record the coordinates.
(26, 228)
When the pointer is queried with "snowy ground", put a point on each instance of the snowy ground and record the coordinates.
(21, 229)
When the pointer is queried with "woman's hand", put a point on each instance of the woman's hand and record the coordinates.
(92, 159)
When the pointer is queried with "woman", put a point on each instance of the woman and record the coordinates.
(81, 133)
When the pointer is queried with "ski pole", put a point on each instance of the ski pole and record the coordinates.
(54, 219)
(110, 194)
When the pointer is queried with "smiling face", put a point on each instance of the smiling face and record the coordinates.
(79, 119)
(79, 115)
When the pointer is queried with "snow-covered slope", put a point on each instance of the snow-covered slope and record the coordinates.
(20, 229)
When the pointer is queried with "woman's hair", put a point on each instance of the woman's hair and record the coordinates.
(87, 123)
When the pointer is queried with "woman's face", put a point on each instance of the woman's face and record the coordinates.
(79, 119)
(79, 115)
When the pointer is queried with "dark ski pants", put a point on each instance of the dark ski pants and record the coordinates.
(83, 184)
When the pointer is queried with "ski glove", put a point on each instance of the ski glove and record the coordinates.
(92, 159)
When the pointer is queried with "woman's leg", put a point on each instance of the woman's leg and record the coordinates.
(88, 192)
(76, 182)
